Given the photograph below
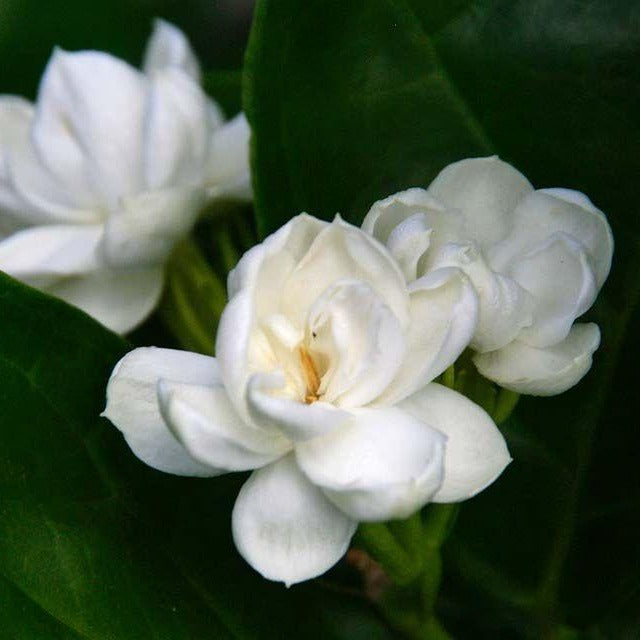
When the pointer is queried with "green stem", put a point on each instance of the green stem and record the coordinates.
(505, 404)
(385, 548)
(193, 300)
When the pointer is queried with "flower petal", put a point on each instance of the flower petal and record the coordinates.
(120, 300)
(559, 277)
(380, 465)
(205, 422)
(145, 229)
(342, 251)
(443, 310)
(356, 342)
(227, 172)
(504, 307)
(289, 416)
(285, 528)
(169, 47)
(475, 453)
(409, 223)
(180, 120)
(132, 405)
(486, 191)
(548, 211)
(40, 256)
(16, 115)
(88, 125)
(542, 372)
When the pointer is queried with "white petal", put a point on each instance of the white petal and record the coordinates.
(285, 528)
(89, 123)
(504, 306)
(119, 299)
(542, 372)
(169, 47)
(356, 343)
(342, 251)
(443, 311)
(475, 453)
(559, 277)
(35, 195)
(293, 418)
(486, 191)
(382, 464)
(227, 174)
(132, 405)
(179, 123)
(409, 223)
(205, 422)
(548, 211)
(144, 231)
(16, 115)
(42, 255)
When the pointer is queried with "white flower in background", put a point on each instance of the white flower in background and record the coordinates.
(108, 170)
(536, 258)
(323, 385)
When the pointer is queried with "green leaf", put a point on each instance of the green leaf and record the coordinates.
(94, 544)
(351, 101)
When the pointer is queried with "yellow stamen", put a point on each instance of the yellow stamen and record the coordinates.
(310, 375)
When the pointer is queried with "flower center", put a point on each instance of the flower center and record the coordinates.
(311, 377)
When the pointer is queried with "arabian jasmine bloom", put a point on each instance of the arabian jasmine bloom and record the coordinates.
(323, 387)
(108, 170)
(537, 260)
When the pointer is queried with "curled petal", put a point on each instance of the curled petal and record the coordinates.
(227, 172)
(120, 300)
(560, 279)
(444, 310)
(380, 465)
(285, 528)
(547, 212)
(289, 416)
(485, 190)
(342, 251)
(147, 226)
(409, 223)
(504, 307)
(205, 422)
(356, 341)
(132, 405)
(475, 453)
(169, 47)
(542, 372)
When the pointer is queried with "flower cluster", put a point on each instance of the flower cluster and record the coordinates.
(108, 170)
(328, 353)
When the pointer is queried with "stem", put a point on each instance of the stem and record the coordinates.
(194, 298)
(383, 546)
(505, 404)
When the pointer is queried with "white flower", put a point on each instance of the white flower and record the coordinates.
(536, 258)
(322, 384)
(101, 177)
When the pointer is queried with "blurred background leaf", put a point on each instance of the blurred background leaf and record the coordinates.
(353, 101)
